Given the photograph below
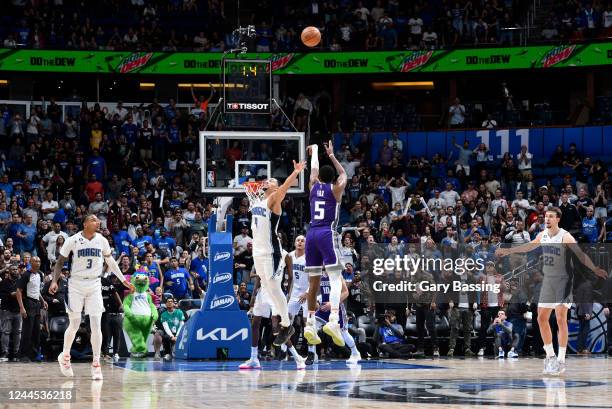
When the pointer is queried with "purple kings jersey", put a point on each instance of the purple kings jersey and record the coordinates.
(323, 206)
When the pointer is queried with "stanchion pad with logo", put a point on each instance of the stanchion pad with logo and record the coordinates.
(219, 328)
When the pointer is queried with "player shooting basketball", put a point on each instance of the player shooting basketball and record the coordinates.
(322, 241)
(267, 251)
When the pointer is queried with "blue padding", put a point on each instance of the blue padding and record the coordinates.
(536, 144)
(416, 144)
(572, 135)
(592, 140)
(552, 138)
(607, 140)
(436, 143)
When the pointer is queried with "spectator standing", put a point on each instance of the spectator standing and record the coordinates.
(10, 318)
(30, 303)
(177, 280)
(456, 115)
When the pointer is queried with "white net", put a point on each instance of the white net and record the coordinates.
(254, 191)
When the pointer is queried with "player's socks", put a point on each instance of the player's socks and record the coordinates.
(550, 352)
(254, 353)
(312, 348)
(561, 357)
(293, 352)
(283, 347)
(350, 342)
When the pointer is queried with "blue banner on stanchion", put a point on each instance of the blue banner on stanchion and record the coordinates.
(219, 328)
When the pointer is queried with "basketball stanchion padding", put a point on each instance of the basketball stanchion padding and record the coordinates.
(219, 328)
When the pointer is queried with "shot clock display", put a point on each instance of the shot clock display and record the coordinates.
(247, 86)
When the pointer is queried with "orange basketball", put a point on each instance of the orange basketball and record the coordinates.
(311, 36)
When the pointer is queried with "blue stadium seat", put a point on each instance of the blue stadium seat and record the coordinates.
(551, 171)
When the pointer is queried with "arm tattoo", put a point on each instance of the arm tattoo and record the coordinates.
(59, 264)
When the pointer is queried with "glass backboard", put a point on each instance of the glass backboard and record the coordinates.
(228, 159)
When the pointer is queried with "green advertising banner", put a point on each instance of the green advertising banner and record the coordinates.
(122, 62)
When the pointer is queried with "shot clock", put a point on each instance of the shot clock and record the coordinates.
(247, 86)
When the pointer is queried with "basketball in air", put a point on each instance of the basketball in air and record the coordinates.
(311, 36)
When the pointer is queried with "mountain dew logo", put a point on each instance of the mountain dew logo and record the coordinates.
(556, 55)
(133, 62)
(415, 60)
(280, 61)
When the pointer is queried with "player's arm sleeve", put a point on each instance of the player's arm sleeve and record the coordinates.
(314, 165)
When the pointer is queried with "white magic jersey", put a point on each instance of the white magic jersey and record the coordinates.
(87, 255)
(553, 254)
(300, 278)
(264, 224)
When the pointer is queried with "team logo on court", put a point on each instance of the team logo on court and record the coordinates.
(222, 302)
(222, 278)
(225, 255)
(448, 392)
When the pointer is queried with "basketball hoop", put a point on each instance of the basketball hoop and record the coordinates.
(254, 191)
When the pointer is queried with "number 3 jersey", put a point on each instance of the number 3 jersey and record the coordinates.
(87, 255)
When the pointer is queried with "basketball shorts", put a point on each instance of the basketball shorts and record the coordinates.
(84, 294)
(269, 267)
(322, 246)
(556, 290)
(263, 306)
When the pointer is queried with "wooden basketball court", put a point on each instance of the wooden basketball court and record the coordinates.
(425, 383)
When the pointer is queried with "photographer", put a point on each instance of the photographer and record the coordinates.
(503, 335)
(389, 337)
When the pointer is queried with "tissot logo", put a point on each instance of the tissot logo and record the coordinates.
(247, 106)
(222, 278)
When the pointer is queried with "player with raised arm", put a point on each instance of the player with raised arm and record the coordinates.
(322, 241)
(557, 284)
(267, 252)
(90, 250)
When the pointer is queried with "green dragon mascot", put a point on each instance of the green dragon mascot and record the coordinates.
(139, 313)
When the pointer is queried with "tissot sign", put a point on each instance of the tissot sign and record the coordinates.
(247, 107)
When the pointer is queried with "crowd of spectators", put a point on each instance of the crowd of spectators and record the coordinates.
(575, 20)
(136, 168)
(200, 25)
